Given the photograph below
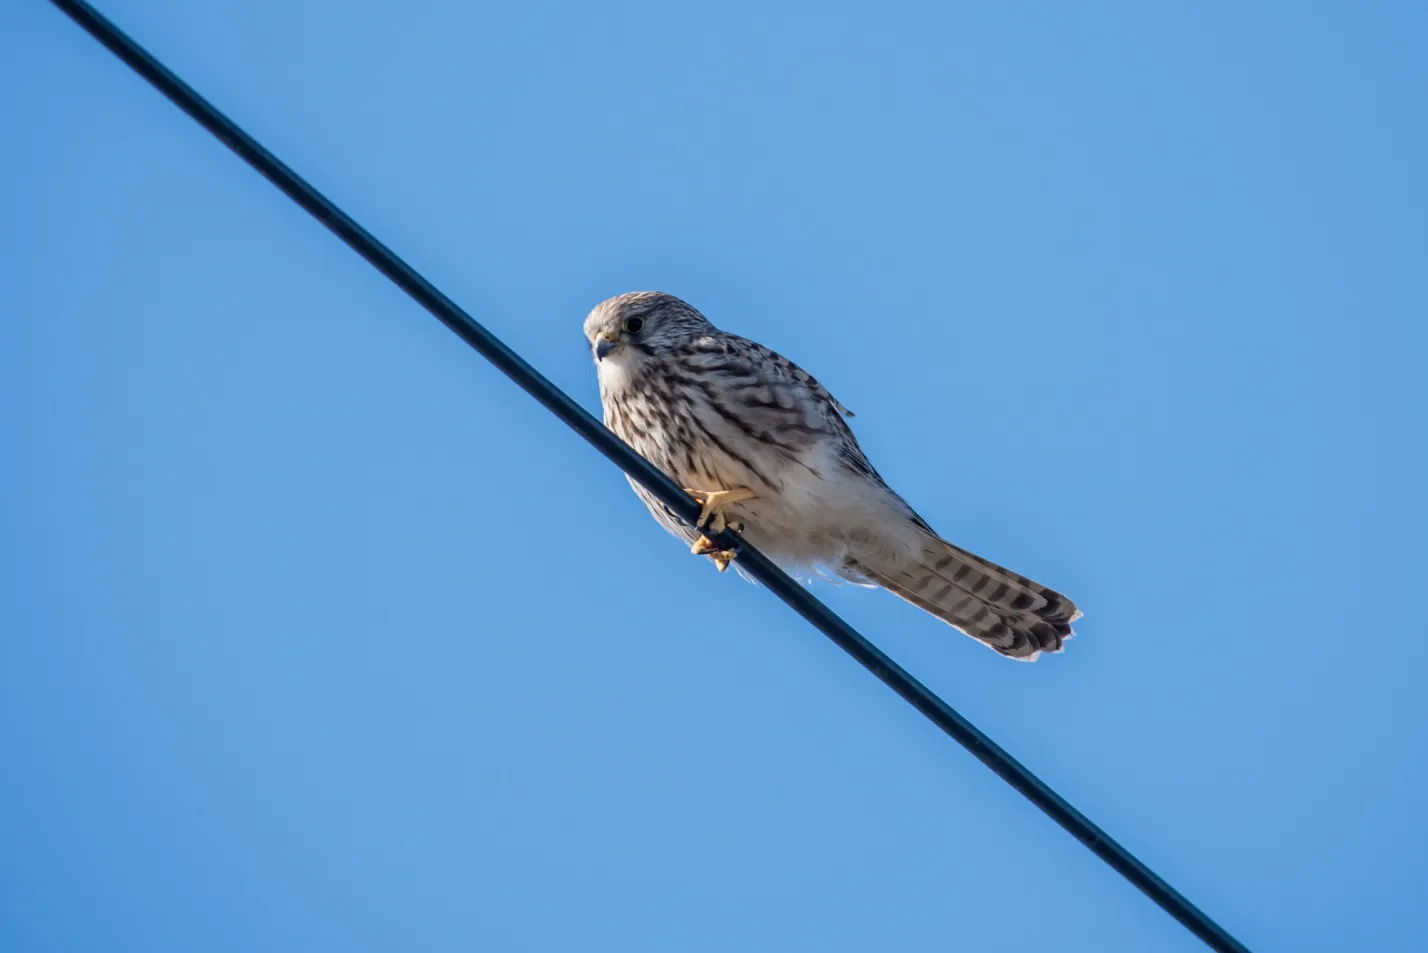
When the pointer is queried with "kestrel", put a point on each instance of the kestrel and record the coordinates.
(767, 451)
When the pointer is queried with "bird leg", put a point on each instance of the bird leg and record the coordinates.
(712, 519)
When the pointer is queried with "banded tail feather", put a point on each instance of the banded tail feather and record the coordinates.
(1005, 611)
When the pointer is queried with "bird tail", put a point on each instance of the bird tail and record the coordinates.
(1006, 612)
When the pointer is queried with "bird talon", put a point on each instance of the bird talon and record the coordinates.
(704, 546)
(712, 503)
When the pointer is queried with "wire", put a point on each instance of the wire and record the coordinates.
(582, 422)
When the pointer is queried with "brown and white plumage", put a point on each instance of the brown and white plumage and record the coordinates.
(717, 411)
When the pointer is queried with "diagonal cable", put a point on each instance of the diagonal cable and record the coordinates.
(578, 419)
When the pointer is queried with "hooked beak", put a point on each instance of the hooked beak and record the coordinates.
(603, 346)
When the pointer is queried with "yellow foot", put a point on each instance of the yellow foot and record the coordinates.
(713, 502)
(704, 546)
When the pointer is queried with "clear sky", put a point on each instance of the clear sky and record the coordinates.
(316, 633)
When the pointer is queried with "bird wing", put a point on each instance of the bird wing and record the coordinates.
(780, 367)
(775, 384)
(763, 393)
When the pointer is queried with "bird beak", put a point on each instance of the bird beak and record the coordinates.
(604, 345)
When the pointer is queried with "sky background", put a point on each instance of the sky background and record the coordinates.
(317, 634)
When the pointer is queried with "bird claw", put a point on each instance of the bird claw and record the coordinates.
(712, 503)
(704, 546)
(712, 521)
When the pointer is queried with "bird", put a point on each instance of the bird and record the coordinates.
(767, 452)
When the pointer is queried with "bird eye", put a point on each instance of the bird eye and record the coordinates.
(633, 325)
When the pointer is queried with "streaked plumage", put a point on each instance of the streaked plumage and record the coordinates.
(718, 411)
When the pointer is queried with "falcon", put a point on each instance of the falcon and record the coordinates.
(767, 452)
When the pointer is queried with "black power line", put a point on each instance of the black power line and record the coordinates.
(579, 420)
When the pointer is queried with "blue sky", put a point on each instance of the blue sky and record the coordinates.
(316, 633)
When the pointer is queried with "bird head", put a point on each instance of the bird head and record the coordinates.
(630, 331)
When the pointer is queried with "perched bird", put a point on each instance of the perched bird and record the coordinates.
(766, 451)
